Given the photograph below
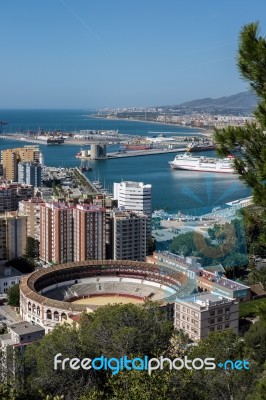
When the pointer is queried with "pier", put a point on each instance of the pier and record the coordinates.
(140, 153)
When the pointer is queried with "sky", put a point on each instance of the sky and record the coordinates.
(120, 53)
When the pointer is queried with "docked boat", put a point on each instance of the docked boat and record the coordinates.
(83, 168)
(203, 164)
(137, 147)
(51, 139)
(202, 145)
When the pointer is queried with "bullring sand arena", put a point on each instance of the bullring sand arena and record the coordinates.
(104, 300)
(51, 295)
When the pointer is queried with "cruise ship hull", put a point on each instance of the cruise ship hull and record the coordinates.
(202, 169)
(202, 164)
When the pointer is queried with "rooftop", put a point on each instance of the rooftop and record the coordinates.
(23, 328)
(205, 300)
(8, 272)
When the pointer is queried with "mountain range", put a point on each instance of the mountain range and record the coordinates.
(240, 101)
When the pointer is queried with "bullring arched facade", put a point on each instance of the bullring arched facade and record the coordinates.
(36, 307)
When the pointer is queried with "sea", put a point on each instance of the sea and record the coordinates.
(191, 193)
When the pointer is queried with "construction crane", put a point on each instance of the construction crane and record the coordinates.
(2, 123)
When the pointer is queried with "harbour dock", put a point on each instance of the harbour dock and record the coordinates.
(140, 153)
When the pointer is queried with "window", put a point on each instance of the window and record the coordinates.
(227, 310)
(219, 327)
(227, 317)
(188, 319)
(212, 313)
(220, 311)
(56, 316)
(184, 308)
(227, 325)
(212, 329)
(212, 321)
(220, 319)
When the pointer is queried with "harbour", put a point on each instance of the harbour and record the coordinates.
(192, 193)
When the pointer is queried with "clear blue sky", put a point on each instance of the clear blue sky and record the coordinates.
(112, 53)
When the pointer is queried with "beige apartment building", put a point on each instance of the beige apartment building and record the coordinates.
(129, 235)
(198, 315)
(13, 235)
(31, 208)
(11, 157)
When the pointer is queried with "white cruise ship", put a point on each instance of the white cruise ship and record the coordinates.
(203, 164)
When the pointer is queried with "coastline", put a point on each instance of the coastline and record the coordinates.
(202, 131)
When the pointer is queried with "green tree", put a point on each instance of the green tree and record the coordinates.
(259, 392)
(13, 296)
(220, 383)
(40, 371)
(117, 330)
(251, 163)
(32, 248)
(255, 339)
(112, 331)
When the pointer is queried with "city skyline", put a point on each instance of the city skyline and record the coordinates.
(66, 54)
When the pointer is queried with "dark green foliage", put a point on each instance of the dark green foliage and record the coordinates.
(219, 383)
(256, 341)
(255, 228)
(13, 296)
(32, 248)
(3, 329)
(21, 264)
(128, 329)
(112, 331)
(251, 163)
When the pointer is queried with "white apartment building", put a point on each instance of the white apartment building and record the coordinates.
(136, 197)
(9, 277)
(30, 173)
(12, 345)
(198, 315)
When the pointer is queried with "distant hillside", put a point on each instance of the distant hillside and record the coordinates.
(240, 101)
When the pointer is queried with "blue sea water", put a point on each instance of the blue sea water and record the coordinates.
(189, 192)
(72, 120)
